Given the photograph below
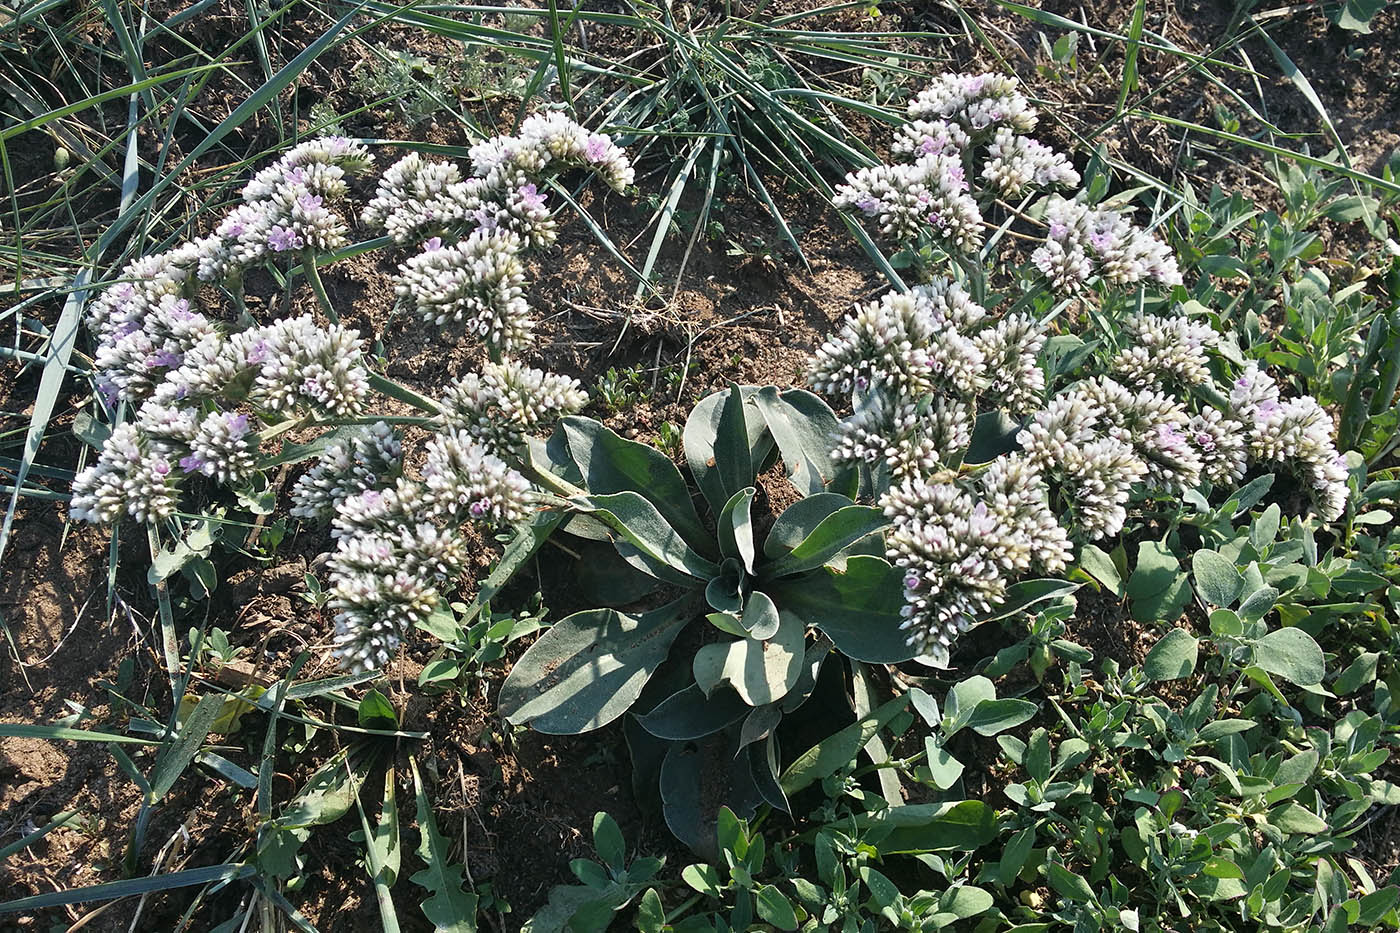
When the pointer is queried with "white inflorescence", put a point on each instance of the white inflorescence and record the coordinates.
(921, 366)
(205, 394)
(1297, 434)
(1086, 244)
(963, 130)
(506, 401)
(478, 227)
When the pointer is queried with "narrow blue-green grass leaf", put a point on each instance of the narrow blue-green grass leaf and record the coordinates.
(129, 887)
(279, 900)
(24, 730)
(1130, 57)
(384, 900)
(663, 216)
(67, 110)
(267, 764)
(1302, 158)
(175, 757)
(600, 234)
(59, 821)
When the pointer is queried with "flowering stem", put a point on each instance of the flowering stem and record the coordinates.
(313, 276)
(387, 386)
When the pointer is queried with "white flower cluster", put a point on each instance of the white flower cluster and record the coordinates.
(959, 542)
(960, 124)
(921, 366)
(128, 478)
(479, 281)
(1296, 434)
(1085, 244)
(192, 422)
(917, 363)
(506, 401)
(488, 220)
(370, 460)
(398, 540)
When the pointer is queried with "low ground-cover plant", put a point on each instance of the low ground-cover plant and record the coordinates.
(1030, 426)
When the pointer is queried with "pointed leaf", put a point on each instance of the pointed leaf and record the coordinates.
(448, 907)
(860, 609)
(833, 534)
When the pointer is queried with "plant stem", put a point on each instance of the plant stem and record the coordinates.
(313, 276)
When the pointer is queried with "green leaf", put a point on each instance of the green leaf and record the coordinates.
(1295, 819)
(703, 879)
(651, 915)
(1292, 654)
(761, 617)
(798, 521)
(636, 519)
(943, 767)
(1219, 728)
(858, 609)
(839, 749)
(1356, 15)
(774, 908)
(211, 874)
(803, 426)
(1100, 566)
(993, 716)
(376, 712)
(1258, 604)
(1157, 587)
(1173, 657)
(588, 668)
(963, 700)
(689, 714)
(833, 534)
(963, 901)
(608, 842)
(735, 528)
(448, 907)
(930, 827)
(723, 445)
(1360, 672)
(612, 464)
(176, 756)
(1068, 884)
(1217, 580)
(761, 671)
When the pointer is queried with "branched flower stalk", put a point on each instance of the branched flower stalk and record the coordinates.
(1067, 454)
(204, 398)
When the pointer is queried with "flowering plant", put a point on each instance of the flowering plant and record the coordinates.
(202, 393)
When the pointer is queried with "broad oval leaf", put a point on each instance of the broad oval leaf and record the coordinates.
(1173, 657)
(588, 668)
(639, 523)
(761, 671)
(689, 714)
(718, 443)
(803, 426)
(1217, 580)
(1292, 654)
(858, 609)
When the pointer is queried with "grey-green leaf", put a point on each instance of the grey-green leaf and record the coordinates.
(1217, 580)
(588, 668)
(1292, 654)
(1173, 657)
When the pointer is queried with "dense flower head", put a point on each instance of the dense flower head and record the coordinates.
(1296, 433)
(907, 342)
(223, 448)
(479, 281)
(463, 481)
(323, 164)
(1015, 163)
(1011, 353)
(303, 365)
(416, 197)
(977, 102)
(368, 460)
(136, 355)
(944, 541)
(929, 196)
(505, 401)
(1085, 244)
(128, 478)
(907, 437)
(1165, 349)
